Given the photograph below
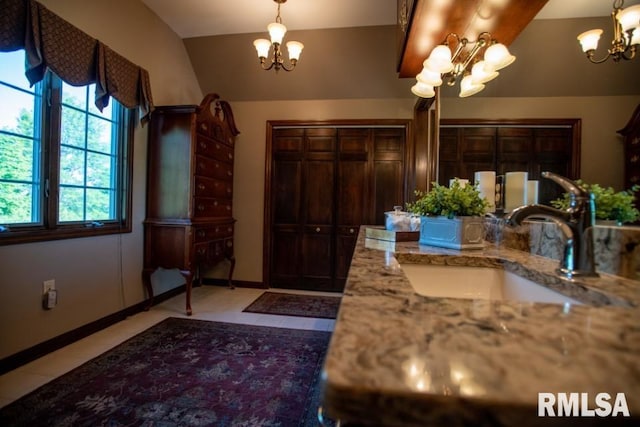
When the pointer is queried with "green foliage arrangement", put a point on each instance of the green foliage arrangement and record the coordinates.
(610, 205)
(450, 202)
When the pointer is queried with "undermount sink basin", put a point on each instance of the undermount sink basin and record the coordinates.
(478, 283)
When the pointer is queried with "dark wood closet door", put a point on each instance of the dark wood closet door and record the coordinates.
(286, 233)
(528, 147)
(323, 184)
(318, 209)
(353, 195)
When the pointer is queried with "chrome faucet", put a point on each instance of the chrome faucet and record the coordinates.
(576, 224)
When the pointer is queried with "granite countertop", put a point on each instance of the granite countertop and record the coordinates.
(399, 358)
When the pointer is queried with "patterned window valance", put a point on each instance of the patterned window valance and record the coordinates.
(51, 42)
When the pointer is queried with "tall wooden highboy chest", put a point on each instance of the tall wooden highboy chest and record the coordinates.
(189, 223)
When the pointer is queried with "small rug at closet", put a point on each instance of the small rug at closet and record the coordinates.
(323, 307)
(184, 372)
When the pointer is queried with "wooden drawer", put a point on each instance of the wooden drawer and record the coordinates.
(203, 234)
(209, 187)
(210, 207)
(214, 149)
(213, 168)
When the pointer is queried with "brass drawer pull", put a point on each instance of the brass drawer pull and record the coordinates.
(200, 208)
(201, 186)
(201, 233)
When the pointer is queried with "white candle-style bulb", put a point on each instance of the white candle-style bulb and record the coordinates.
(276, 32)
(629, 17)
(497, 56)
(532, 192)
(515, 190)
(589, 39)
(485, 182)
(295, 49)
(440, 59)
(423, 90)
(262, 46)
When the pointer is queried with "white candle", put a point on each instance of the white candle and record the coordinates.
(515, 190)
(462, 182)
(486, 183)
(532, 192)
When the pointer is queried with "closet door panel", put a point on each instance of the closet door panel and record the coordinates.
(286, 247)
(388, 171)
(552, 148)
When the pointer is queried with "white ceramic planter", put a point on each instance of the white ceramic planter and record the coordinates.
(464, 232)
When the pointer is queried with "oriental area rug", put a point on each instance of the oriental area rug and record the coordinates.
(323, 307)
(185, 372)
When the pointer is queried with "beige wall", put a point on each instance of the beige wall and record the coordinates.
(99, 276)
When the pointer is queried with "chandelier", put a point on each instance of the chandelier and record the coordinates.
(277, 32)
(463, 65)
(626, 34)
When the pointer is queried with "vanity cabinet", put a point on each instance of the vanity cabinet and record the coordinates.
(189, 221)
(631, 139)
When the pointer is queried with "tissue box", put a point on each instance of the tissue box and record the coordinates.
(401, 221)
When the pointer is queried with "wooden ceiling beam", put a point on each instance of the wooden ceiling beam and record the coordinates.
(432, 20)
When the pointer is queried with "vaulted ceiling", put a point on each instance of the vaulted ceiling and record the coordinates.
(195, 18)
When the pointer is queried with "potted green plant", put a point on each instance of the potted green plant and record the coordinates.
(610, 205)
(450, 217)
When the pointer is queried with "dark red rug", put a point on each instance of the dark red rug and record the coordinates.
(323, 307)
(185, 372)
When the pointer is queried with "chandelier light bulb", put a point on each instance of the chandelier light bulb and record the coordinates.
(629, 17)
(429, 77)
(262, 46)
(440, 59)
(468, 87)
(276, 32)
(480, 74)
(423, 90)
(589, 39)
(295, 49)
(497, 56)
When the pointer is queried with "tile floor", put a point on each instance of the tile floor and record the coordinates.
(208, 303)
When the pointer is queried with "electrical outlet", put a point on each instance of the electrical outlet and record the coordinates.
(48, 285)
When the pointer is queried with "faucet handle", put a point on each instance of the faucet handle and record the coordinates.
(568, 185)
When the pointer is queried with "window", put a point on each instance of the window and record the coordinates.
(65, 167)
